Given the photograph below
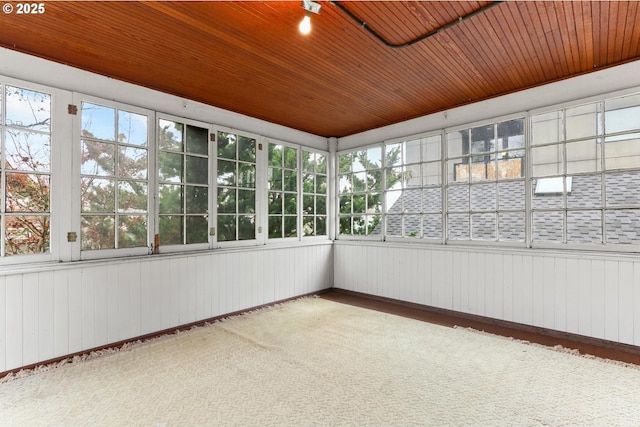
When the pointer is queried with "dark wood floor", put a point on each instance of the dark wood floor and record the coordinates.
(585, 345)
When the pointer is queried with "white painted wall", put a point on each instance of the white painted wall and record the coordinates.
(60, 309)
(591, 294)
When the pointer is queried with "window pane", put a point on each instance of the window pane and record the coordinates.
(548, 226)
(308, 161)
(622, 114)
(458, 170)
(27, 234)
(584, 156)
(432, 200)
(170, 135)
(27, 109)
(132, 128)
(395, 178)
(374, 158)
(275, 227)
(321, 184)
(511, 195)
(548, 160)
(197, 140)
(290, 226)
(431, 174)
(290, 180)
(359, 181)
(226, 228)
(98, 195)
(622, 154)
(132, 197)
(483, 226)
(246, 201)
(132, 231)
(275, 179)
(432, 226)
(431, 148)
(98, 122)
(483, 139)
(546, 128)
(511, 135)
(27, 151)
(359, 203)
(197, 170)
(171, 230)
(582, 121)
(98, 158)
(412, 226)
(27, 193)
(246, 175)
(197, 199)
(374, 180)
(132, 163)
(321, 163)
(290, 204)
(226, 200)
(509, 168)
(412, 201)
(622, 189)
(393, 155)
(359, 161)
(321, 205)
(458, 198)
(246, 228)
(275, 203)
(197, 229)
(458, 143)
(345, 204)
(511, 226)
(171, 199)
(374, 202)
(227, 145)
(458, 226)
(246, 149)
(623, 226)
(226, 173)
(275, 155)
(97, 232)
(584, 226)
(170, 167)
(321, 226)
(308, 227)
(586, 192)
(344, 162)
(483, 197)
(394, 225)
(308, 204)
(290, 158)
(546, 200)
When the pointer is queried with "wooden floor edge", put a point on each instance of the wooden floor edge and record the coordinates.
(146, 337)
(601, 348)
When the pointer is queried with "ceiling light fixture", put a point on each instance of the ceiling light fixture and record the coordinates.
(311, 7)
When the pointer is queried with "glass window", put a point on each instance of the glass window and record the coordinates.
(283, 191)
(360, 181)
(314, 193)
(236, 187)
(183, 183)
(26, 169)
(485, 182)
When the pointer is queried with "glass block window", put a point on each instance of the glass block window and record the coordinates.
(314, 193)
(283, 191)
(114, 173)
(360, 192)
(236, 218)
(413, 196)
(25, 123)
(183, 183)
(485, 188)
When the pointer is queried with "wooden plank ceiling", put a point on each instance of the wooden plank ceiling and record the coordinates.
(249, 57)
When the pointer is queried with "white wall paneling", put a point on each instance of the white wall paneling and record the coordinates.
(587, 293)
(70, 307)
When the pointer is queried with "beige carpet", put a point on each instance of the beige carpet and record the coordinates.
(316, 362)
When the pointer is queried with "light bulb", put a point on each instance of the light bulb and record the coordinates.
(305, 25)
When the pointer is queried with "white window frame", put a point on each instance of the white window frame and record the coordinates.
(78, 99)
(211, 186)
(58, 173)
(321, 237)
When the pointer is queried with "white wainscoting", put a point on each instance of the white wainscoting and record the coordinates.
(595, 295)
(71, 307)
